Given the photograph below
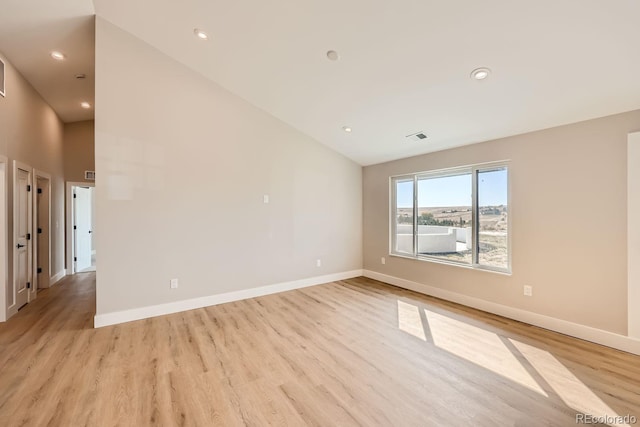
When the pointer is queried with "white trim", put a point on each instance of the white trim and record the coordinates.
(117, 317)
(31, 295)
(4, 237)
(3, 72)
(587, 333)
(473, 171)
(40, 174)
(455, 264)
(633, 235)
(57, 277)
(69, 222)
(453, 170)
(11, 311)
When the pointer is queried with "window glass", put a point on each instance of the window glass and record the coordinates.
(404, 216)
(444, 217)
(493, 218)
(459, 216)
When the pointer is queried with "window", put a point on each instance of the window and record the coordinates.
(403, 243)
(458, 216)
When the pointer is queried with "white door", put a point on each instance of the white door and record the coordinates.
(22, 226)
(82, 210)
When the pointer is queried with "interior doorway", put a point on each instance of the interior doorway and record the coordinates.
(81, 252)
(42, 226)
(24, 291)
(85, 256)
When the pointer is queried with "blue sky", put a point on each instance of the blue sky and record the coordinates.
(456, 191)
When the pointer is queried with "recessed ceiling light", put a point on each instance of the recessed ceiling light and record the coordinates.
(480, 73)
(85, 105)
(200, 34)
(332, 55)
(346, 129)
(59, 56)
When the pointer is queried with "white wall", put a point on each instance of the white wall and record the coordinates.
(568, 217)
(32, 133)
(182, 166)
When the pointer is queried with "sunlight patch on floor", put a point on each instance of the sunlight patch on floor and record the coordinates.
(481, 347)
(573, 392)
(409, 320)
(489, 351)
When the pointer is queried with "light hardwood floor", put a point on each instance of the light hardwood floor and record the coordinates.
(355, 352)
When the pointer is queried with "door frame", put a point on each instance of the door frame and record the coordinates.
(4, 237)
(69, 225)
(31, 295)
(633, 235)
(40, 174)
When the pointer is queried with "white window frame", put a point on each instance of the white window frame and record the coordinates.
(3, 77)
(473, 170)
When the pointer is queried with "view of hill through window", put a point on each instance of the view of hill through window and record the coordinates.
(444, 217)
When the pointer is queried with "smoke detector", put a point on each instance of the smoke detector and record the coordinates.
(418, 136)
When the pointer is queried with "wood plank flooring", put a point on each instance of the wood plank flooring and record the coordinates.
(354, 352)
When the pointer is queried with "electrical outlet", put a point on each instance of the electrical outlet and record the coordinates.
(383, 261)
(528, 290)
(174, 283)
(265, 199)
(318, 263)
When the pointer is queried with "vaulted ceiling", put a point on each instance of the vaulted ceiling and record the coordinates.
(31, 29)
(404, 66)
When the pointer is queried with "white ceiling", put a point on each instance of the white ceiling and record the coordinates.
(31, 29)
(404, 64)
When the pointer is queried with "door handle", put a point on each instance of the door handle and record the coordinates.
(19, 246)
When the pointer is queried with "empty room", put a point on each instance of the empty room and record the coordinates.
(323, 213)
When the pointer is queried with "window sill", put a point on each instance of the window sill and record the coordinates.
(454, 264)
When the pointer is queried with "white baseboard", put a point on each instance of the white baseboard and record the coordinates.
(12, 311)
(52, 281)
(57, 277)
(599, 336)
(114, 318)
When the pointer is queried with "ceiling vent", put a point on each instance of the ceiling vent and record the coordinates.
(1, 77)
(416, 136)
